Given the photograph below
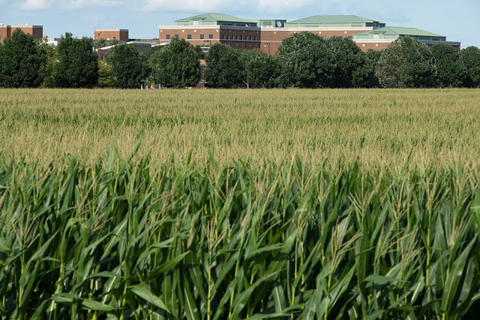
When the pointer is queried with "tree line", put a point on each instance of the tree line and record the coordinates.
(304, 60)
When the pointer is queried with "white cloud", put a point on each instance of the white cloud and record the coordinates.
(32, 5)
(76, 4)
(219, 6)
(187, 5)
(3, 1)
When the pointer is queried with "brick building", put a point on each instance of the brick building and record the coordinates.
(111, 34)
(380, 38)
(268, 34)
(6, 31)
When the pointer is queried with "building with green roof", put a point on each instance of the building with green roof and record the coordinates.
(335, 21)
(215, 19)
(384, 36)
(393, 33)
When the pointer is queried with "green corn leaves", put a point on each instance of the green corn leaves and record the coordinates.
(246, 241)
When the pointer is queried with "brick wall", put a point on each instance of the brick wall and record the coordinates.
(6, 31)
(114, 34)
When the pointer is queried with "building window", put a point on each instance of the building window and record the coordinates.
(241, 37)
(350, 37)
(250, 38)
(324, 37)
(102, 57)
(202, 36)
(189, 36)
(255, 38)
(210, 36)
(176, 36)
(167, 37)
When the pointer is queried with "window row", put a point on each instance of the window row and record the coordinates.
(189, 36)
(246, 38)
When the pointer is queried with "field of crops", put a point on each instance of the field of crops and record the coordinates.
(236, 204)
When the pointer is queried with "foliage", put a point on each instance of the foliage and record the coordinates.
(177, 65)
(364, 77)
(450, 69)
(305, 61)
(224, 68)
(77, 65)
(471, 60)
(51, 53)
(347, 60)
(406, 63)
(22, 62)
(262, 71)
(119, 240)
(129, 67)
(105, 79)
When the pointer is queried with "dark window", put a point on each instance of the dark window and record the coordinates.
(189, 36)
(350, 37)
(202, 36)
(324, 37)
(223, 37)
(210, 36)
(241, 37)
(255, 38)
(176, 36)
(167, 37)
(250, 38)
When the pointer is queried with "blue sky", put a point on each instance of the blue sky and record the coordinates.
(457, 20)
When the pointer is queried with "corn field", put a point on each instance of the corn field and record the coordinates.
(130, 234)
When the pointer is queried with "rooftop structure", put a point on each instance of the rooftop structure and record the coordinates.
(335, 21)
(215, 19)
(384, 36)
(6, 31)
(111, 34)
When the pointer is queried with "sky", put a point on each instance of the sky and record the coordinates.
(457, 20)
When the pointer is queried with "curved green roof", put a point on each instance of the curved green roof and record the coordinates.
(213, 19)
(328, 19)
(396, 32)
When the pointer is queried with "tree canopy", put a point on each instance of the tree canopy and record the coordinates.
(77, 65)
(347, 60)
(450, 69)
(471, 60)
(22, 62)
(224, 68)
(305, 61)
(406, 63)
(128, 66)
(176, 65)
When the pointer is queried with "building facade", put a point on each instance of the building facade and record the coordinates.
(268, 34)
(111, 34)
(6, 31)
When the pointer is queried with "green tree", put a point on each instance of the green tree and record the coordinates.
(105, 79)
(22, 62)
(128, 66)
(347, 60)
(259, 69)
(77, 65)
(224, 68)
(51, 54)
(471, 60)
(177, 65)
(406, 63)
(450, 69)
(364, 76)
(305, 60)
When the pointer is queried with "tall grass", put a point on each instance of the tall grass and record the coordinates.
(287, 204)
(385, 128)
(120, 240)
